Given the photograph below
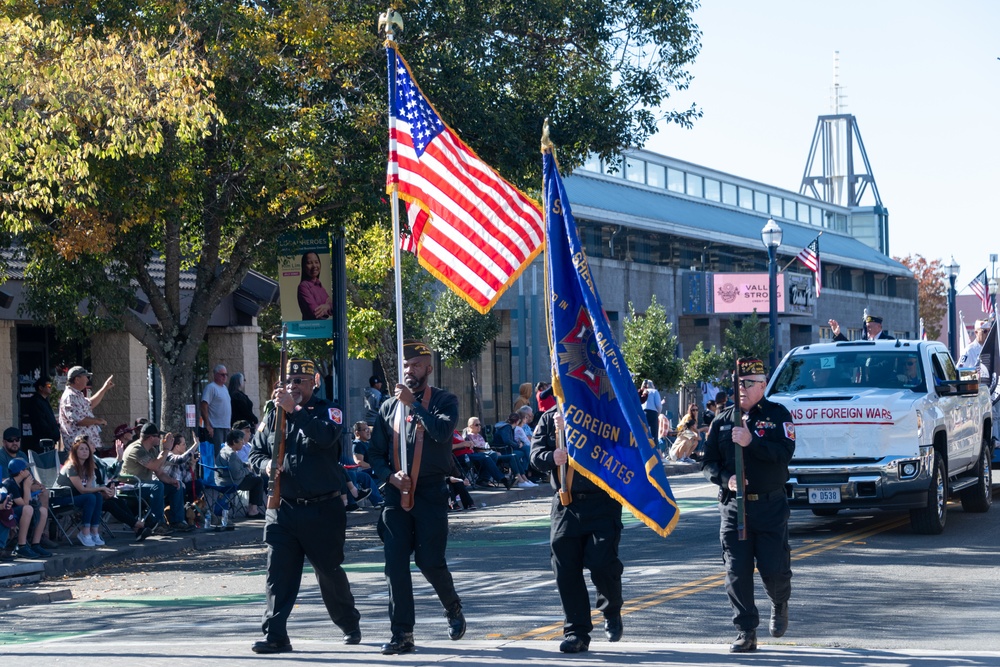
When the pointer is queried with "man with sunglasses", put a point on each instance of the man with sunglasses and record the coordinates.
(310, 521)
(38, 412)
(767, 436)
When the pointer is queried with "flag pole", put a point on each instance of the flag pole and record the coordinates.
(391, 21)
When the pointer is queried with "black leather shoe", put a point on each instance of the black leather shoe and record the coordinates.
(266, 646)
(779, 619)
(362, 494)
(745, 642)
(456, 622)
(401, 642)
(353, 637)
(507, 483)
(574, 644)
(613, 627)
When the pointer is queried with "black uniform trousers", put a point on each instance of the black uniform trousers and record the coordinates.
(314, 531)
(585, 534)
(767, 544)
(423, 532)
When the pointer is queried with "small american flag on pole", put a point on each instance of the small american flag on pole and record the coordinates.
(981, 286)
(481, 231)
(810, 257)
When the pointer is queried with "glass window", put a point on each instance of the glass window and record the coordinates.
(729, 194)
(804, 213)
(675, 180)
(746, 197)
(656, 175)
(789, 210)
(635, 170)
(816, 216)
(760, 202)
(694, 187)
(776, 207)
(713, 191)
(593, 163)
(612, 170)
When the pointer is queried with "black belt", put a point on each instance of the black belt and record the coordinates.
(584, 496)
(770, 495)
(310, 501)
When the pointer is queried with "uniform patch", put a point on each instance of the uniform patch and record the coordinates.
(261, 426)
(336, 416)
(789, 430)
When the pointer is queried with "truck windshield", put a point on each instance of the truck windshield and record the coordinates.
(851, 369)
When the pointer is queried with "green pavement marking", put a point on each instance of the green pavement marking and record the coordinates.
(193, 601)
(10, 638)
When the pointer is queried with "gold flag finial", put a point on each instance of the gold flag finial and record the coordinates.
(391, 22)
(547, 145)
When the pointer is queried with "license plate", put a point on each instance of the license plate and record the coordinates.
(824, 494)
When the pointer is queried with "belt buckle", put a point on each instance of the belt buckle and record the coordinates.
(752, 497)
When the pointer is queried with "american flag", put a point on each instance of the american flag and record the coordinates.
(416, 218)
(810, 257)
(981, 286)
(482, 232)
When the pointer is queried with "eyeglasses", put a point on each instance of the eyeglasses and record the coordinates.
(297, 381)
(12, 440)
(476, 424)
(746, 384)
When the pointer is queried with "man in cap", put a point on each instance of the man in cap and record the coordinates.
(415, 518)
(767, 436)
(76, 410)
(310, 521)
(217, 407)
(873, 329)
(584, 533)
(970, 358)
(38, 413)
(373, 399)
(144, 459)
(12, 451)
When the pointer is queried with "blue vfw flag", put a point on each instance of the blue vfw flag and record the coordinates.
(606, 431)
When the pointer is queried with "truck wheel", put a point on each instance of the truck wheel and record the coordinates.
(978, 498)
(825, 511)
(930, 520)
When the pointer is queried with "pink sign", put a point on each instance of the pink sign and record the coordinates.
(744, 293)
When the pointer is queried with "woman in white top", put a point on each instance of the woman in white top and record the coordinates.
(651, 403)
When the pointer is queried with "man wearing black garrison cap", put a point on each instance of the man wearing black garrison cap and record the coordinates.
(415, 518)
(873, 329)
(767, 436)
(310, 521)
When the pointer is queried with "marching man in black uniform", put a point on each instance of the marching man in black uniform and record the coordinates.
(415, 518)
(584, 533)
(310, 521)
(768, 441)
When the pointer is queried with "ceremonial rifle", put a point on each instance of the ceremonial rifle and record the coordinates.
(278, 461)
(741, 519)
(565, 497)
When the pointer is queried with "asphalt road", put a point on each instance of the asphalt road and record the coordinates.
(865, 590)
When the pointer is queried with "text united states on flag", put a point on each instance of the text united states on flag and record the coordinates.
(482, 231)
(810, 257)
(980, 285)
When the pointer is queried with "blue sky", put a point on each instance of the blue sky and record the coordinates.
(922, 79)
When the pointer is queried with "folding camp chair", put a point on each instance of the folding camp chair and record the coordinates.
(218, 498)
(65, 515)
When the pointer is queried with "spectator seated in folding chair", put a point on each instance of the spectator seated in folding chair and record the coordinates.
(232, 470)
(58, 501)
(79, 475)
(181, 466)
(7, 522)
(116, 501)
(459, 497)
(513, 453)
(144, 461)
(482, 457)
(31, 516)
(221, 500)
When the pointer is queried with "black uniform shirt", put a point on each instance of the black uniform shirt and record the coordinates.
(312, 450)
(438, 420)
(765, 460)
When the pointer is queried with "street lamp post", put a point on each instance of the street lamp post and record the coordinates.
(993, 294)
(952, 269)
(771, 236)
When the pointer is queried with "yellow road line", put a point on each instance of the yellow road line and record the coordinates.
(555, 630)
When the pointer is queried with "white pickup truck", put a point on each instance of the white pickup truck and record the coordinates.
(888, 424)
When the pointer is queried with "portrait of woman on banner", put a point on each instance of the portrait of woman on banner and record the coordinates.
(314, 301)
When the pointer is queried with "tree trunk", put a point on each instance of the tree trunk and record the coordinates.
(177, 380)
(477, 391)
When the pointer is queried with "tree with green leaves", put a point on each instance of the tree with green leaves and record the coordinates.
(747, 338)
(649, 346)
(706, 365)
(139, 135)
(460, 333)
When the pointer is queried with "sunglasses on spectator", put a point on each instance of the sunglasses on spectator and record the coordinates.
(12, 440)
